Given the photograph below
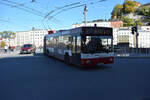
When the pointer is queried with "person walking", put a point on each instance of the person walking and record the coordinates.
(12, 48)
(5, 48)
(9, 48)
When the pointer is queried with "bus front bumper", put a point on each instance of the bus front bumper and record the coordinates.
(97, 61)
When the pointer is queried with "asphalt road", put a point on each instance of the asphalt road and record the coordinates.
(35, 77)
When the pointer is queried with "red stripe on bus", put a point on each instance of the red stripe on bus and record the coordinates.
(95, 61)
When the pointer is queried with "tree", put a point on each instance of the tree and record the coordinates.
(143, 11)
(130, 22)
(2, 44)
(127, 21)
(127, 7)
(8, 34)
(117, 12)
(130, 6)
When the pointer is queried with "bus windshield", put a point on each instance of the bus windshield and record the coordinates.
(96, 44)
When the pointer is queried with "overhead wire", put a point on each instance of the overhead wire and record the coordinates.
(64, 10)
(26, 10)
(50, 15)
(22, 5)
(69, 7)
(59, 8)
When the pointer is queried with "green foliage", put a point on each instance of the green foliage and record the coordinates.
(127, 21)
(2, 44)
(139, 22)
(117, 11)
(130, 22)
(8, 34)
(130, 6)
(143, 11)
(127, 7)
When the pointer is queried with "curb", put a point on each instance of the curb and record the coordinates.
(133, 57)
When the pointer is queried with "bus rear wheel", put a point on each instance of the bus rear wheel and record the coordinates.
(67, 60)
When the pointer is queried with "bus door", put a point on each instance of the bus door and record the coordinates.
(76, 50)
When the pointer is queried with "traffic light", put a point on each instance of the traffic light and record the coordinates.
(134, 29)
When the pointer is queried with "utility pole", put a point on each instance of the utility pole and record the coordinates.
(136, 37)
(84, 13)
(33, 35)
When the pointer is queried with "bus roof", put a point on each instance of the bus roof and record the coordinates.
(103, 31)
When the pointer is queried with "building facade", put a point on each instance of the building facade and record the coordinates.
(100, 24)
(34, 36)
(121, 35)
(113, 24)
(125, 36)
(144, 39)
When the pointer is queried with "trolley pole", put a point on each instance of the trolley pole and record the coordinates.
(84, 13)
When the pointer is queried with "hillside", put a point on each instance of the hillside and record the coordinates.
(131, 11)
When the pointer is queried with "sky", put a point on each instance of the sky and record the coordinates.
(22, 15)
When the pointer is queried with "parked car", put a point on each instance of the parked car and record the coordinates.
(28, 48)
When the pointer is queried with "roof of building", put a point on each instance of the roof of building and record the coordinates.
(147, 4)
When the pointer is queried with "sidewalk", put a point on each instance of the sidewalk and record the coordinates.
(16, 53)
(8, 54)
(132, 55)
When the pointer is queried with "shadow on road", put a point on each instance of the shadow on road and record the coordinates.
(94, 68)
(90, 68)
(38, 54)
(46, 61)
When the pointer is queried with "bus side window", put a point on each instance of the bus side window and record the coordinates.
(47, 42)
(73, 44)
(78, 45)
(60, 42)
(51, 42)
(69, 43)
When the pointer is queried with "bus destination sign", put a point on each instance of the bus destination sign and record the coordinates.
(97, 31)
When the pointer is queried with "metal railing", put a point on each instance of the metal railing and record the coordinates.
(132, 52)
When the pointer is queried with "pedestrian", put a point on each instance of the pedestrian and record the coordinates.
(5, 48)
(12, 48)
(9, 48)
(41, 47)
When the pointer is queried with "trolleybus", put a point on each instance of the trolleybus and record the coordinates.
(83, 46)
